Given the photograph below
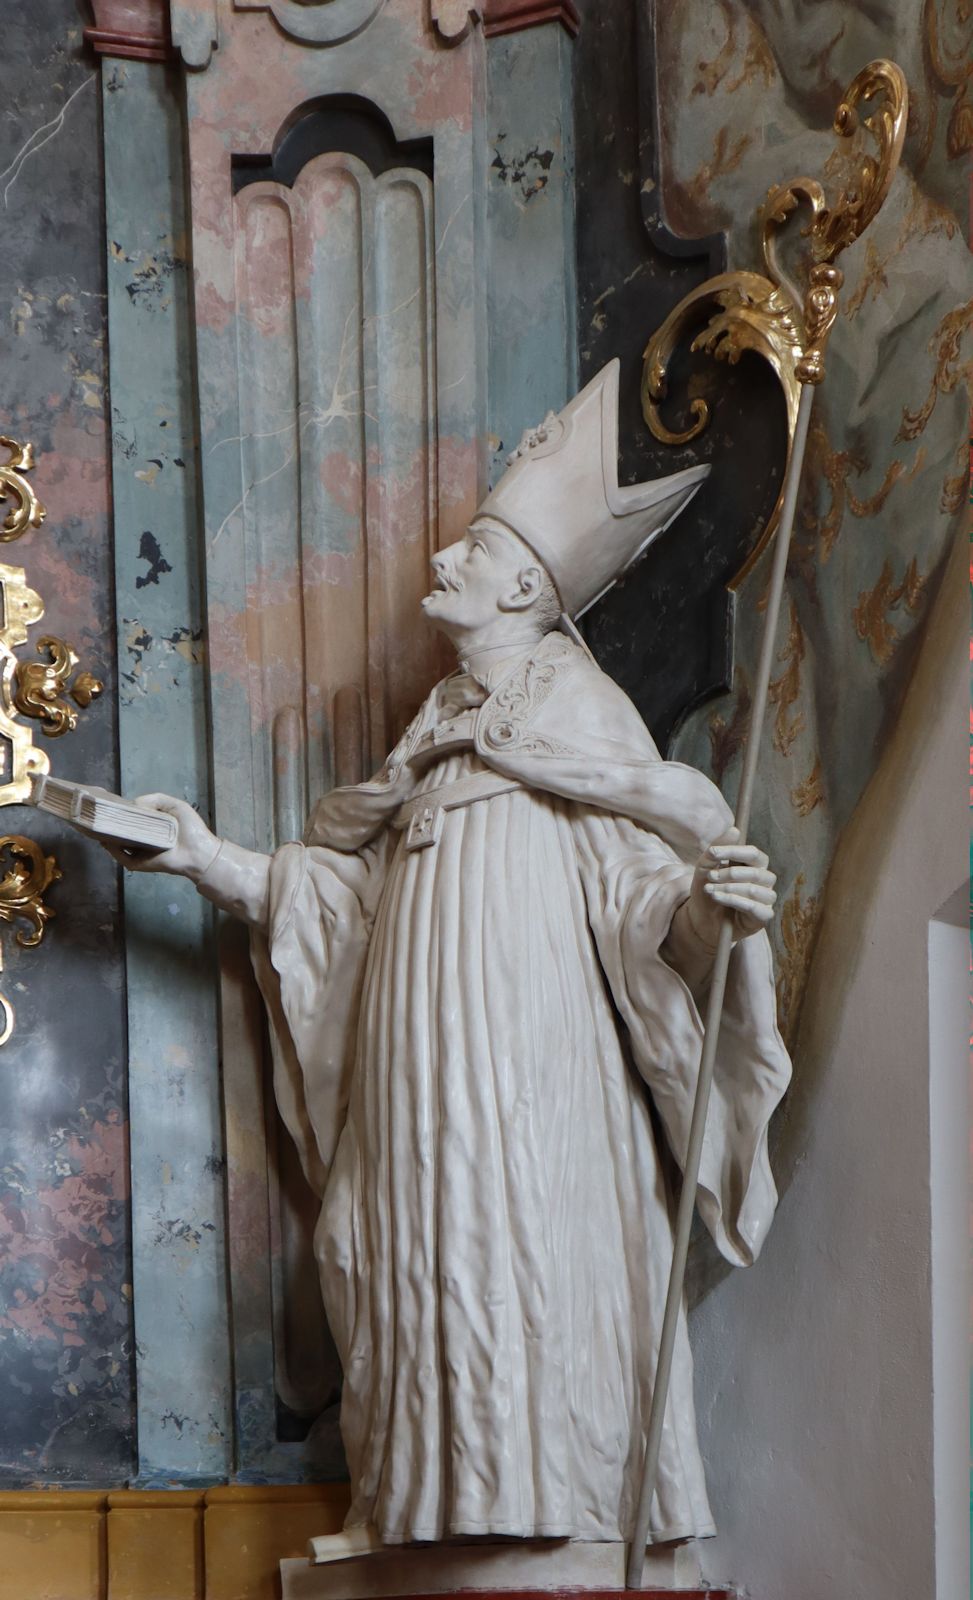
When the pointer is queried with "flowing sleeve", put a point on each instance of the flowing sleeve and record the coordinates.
(309, 963)
(633, 883)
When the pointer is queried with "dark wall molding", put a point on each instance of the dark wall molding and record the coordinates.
(666, 633)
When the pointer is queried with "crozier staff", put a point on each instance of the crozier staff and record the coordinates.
(479, 968)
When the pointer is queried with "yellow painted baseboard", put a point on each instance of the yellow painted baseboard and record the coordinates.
(138, 1544)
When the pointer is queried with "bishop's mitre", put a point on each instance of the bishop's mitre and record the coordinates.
(560, 494)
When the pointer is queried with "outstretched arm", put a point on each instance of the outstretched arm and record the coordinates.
(235, 879)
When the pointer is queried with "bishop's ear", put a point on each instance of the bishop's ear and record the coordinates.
(528, 586)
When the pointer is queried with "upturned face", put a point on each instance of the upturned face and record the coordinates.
(478, 577)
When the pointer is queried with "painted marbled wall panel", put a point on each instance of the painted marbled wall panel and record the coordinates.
(530, 271)
(65, 1287)
(339, 342)
(342, 367)
(179, 1274)
(256, 85)
(336, 306)
(748, 92)
(338, 424)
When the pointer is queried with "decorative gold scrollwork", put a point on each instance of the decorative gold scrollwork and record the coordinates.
(26, 879)
(770, 315)
(820, 311)
(27, 875)
(20, 760)
(28, 511)
(30, 688)
(868, 177)
(43, 685)
(754, 314)
(20, 607)
(33, 689)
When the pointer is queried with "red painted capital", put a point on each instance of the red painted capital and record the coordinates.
(511, 16)
(136, 29)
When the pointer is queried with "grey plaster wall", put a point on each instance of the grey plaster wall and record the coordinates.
(816, 1371)
(65, 1312)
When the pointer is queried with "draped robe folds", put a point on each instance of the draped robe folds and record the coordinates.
(466, 1041)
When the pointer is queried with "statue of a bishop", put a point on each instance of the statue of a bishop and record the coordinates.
(484, 971)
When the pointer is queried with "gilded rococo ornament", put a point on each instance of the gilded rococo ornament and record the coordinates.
(20, 760)
(770, 315)
(27, 511)
(43, 685)
(28, 874)
(35, 689)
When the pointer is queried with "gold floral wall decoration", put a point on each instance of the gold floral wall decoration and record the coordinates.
(810, 793)
(798, 926)
(785, 690)
(727, 737)
(871, 614)
(950, 371)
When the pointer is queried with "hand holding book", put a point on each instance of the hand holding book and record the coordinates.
(154, 833)
(195, 847)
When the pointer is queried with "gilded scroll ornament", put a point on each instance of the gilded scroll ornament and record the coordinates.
(33, 689)
(27, 511)
(27, 875)
(30, 688)
(20, 761)
(769, 315)
(42, 687)
(20, 607)
(866, 180)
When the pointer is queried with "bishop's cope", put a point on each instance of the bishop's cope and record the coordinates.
(484, 971)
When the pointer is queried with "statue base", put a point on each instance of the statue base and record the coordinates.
(546, 1566)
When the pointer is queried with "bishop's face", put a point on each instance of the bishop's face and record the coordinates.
(475, 576)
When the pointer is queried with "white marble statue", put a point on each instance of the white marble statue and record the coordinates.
(484, 971)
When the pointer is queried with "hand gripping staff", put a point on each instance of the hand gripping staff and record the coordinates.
(769, 309)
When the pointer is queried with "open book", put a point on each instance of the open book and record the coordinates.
(95, 810)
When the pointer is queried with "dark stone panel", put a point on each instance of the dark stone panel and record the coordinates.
(66, 1372)
(665, 634)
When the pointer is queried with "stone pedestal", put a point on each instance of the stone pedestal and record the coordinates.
(516, 1566)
